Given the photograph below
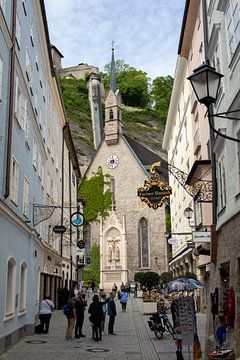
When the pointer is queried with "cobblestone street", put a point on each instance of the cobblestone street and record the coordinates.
(134, 340)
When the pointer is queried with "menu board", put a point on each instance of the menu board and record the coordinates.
(187, 319)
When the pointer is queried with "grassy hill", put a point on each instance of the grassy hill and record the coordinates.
(143, 125)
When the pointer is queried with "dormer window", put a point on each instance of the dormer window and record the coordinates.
(111, 114)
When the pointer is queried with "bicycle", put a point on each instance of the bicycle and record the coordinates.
(159, 323)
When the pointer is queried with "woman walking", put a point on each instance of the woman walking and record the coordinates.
(45, 313)
(123, 299)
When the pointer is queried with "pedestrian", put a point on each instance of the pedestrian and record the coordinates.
(45, 312)
(93, 286)
(70, 313)
(114, 288)
(122, 287)
(96, 316)
(123, 299)
(135, 290)
(104, 307)
(80, 306)
(112, 313)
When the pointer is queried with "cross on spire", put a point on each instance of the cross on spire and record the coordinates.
(112, 72)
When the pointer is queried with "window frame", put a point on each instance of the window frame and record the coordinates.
(14, 180)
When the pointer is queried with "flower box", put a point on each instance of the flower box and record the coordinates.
(149, 307)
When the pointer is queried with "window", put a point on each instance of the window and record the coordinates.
(238, 159)
(11, 287)
(26, 197)
(216, 58)
(143, 243)
(111, 114)
(1, 77)
(20, 107)
(112, 186)
(26, 129)
(221, 184)
(24, 7)
(37, 59)
(48, 184)
(28, 67)
(14, 181)
(233, 25)
(88, 244)
(23, 288)
(18, 31)
(36, 102)
(2, 5)
(32, 32)
(34, 154)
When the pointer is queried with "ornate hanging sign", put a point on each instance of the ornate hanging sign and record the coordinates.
(155, 192)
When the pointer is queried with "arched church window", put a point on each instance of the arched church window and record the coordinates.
(117, 255)
(111, 114)
(112, 187)
(143, 243)
(88, 243)
(109, 254)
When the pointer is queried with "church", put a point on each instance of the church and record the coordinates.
(132, 239)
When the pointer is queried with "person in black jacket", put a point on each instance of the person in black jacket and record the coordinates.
(80, 306)
(96, 317)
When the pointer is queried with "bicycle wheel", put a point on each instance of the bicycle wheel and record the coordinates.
(169, 327)
(158, 331)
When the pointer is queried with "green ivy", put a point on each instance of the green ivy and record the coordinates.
(97, 202)
(93, 273)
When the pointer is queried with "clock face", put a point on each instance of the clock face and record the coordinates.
(112, 161)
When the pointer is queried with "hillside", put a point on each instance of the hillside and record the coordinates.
(143, 125)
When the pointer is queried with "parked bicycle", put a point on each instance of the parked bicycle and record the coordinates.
(159, 323)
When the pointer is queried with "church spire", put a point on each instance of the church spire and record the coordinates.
(112, 73)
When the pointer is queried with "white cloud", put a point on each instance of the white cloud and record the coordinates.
(146, 32)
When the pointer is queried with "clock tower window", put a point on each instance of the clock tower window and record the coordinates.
(111, 114)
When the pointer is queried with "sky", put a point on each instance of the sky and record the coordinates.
(146, 32)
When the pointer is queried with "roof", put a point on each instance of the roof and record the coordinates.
(146, 157)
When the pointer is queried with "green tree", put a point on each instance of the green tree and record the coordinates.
(133, 84)
(93, 272)
(139, 276)
(161, 95)
(165, 277)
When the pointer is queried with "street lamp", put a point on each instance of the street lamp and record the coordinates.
(188, 213)
(205, 81)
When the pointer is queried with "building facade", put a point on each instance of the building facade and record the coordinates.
(223, 23)
(132, 237)
(38, 171)
(186, 139)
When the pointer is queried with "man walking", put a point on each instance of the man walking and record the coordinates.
(70, 313)
(112, 313)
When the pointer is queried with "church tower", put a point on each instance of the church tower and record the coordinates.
(113, 109)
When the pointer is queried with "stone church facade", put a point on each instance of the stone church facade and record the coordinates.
(132, 238)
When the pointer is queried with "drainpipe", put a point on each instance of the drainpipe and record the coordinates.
(11, 95)
(70, 212)
(62, 204)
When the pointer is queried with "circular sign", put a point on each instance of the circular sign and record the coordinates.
(77, 219)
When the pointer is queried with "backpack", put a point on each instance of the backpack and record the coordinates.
(66, 309)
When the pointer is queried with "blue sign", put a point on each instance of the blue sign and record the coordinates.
(77, 219)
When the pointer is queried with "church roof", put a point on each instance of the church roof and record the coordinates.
(146, 157)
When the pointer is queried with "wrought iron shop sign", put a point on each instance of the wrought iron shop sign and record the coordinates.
(155, 192)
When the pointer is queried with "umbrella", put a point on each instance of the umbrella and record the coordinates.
(183, 284)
